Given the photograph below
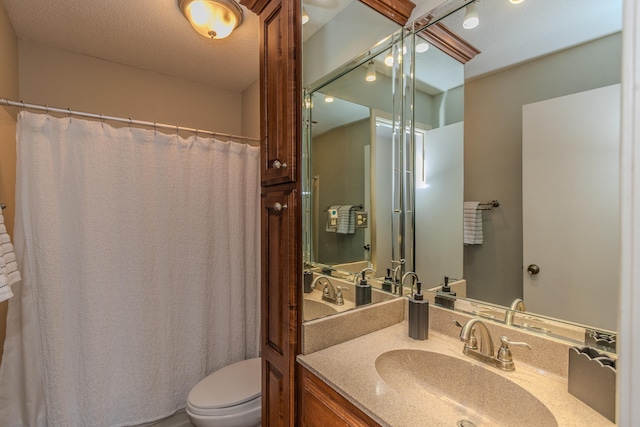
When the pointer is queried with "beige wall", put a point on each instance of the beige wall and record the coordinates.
(251, 111)
(8, 89)
(64, 79)
(493, 153)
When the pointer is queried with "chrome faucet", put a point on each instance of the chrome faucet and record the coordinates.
(360, 274)
(396, 273)
(516, 305)
(408, 274)
(486, 353)
(330, 293)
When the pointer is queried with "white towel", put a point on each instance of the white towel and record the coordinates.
(346, 219)
(472, 223)
(9, 273)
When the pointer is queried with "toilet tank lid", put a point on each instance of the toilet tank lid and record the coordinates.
(229, 386)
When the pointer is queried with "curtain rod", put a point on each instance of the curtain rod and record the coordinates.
(129, 120)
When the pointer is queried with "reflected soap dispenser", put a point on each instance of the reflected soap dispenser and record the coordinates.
(387, 285)
(363, 292)
(446, 297)
(418, 315)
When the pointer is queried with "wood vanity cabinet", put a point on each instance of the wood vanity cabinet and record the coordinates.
(281, 216)
(322, 406)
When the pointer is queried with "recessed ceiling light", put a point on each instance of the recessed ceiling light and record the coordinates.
(422, 47)
(328, 99)
(305, 16)
(516, 1)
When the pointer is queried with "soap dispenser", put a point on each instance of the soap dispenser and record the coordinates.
(387, 285)
(446, 297)
(418, 315)
(363, 292)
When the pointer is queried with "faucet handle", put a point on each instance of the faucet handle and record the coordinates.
(504, 353)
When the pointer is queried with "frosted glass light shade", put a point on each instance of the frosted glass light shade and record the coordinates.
(215, 19)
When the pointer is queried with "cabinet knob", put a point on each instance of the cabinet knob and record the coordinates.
(278, 207)
(277, 164)
(533, 269)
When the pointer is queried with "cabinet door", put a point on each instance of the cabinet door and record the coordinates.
(281, 101)
(322, 406)
(281, 254)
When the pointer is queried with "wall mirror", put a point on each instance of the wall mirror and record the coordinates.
(541, 137)
(530, 54)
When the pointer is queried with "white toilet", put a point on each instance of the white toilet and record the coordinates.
(229, 397)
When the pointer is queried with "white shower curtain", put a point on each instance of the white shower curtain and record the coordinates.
(140, 262)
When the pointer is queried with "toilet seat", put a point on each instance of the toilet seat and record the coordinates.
(232, 389)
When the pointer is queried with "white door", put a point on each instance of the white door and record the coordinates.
(570, 179)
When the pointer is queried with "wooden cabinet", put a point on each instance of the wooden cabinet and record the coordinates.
(322, 406)
(281, 93)
(281, 219)
(281, 254)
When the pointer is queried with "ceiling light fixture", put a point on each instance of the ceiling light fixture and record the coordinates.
(422, 47)
(215, 19)
(328, 99)
(516, 1)
(388, 60)
(305, 16)
(371, 72)
(470, 17)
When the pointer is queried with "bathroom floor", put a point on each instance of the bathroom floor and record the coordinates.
(181, 419)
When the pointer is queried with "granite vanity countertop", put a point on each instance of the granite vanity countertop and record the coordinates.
(350, 369)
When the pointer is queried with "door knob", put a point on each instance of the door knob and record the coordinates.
(277, 165)
(533, 269)
(278, 207)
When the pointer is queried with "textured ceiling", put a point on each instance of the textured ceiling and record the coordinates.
(147, 34)
(153, 35)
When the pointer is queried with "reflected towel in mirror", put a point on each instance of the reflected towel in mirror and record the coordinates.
(347, 219)
(472, 223)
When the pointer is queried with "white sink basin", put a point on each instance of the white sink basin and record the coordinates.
(478, 394)
(312, 309)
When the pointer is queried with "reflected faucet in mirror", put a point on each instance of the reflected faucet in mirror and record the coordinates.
(404, 277)
(330, 293)
(362, 273)
(516, 305)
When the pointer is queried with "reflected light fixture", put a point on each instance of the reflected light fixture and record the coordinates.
(215, 19)
(371, 72)
(422, 47)
(305, 16)
(470, 17)
(328, 99)
(388, 60)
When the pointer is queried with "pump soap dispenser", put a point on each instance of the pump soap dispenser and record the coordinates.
(418, 315)
(446, 297)
(387, 285)
(363, 292)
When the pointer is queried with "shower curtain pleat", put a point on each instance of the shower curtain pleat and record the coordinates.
(140, 258)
